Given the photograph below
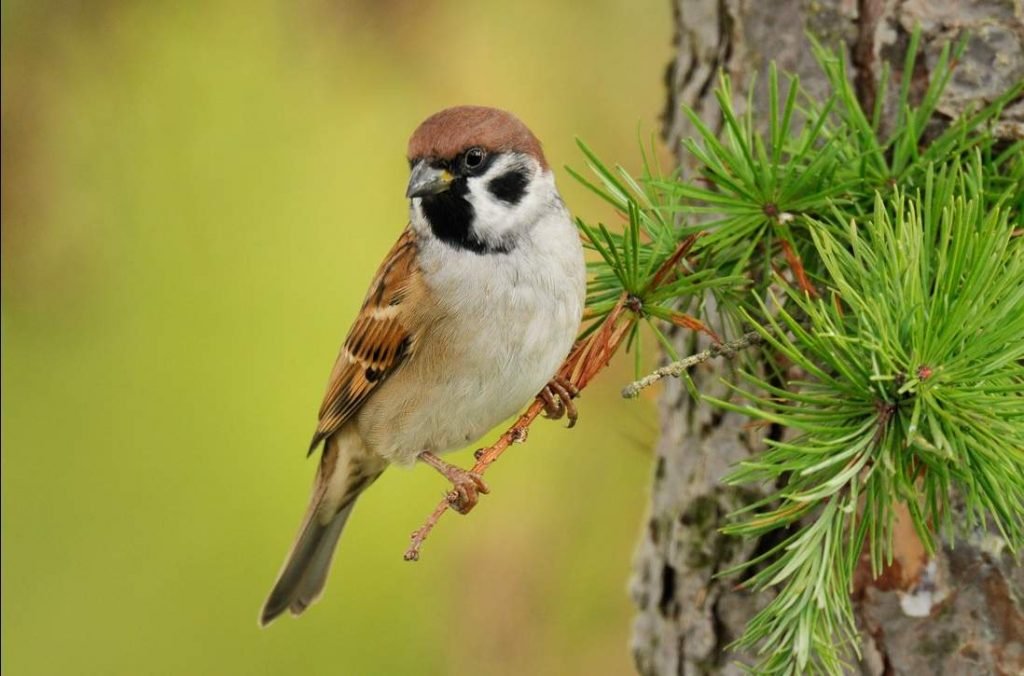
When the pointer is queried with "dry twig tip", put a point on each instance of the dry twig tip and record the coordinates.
(727, 349)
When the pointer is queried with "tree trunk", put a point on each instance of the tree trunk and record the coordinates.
(960, 613)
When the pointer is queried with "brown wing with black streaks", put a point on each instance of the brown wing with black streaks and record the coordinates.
(382, 337)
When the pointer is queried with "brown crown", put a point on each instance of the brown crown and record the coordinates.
(454, 130)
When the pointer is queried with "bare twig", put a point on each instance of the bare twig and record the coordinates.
(587, 358)
(678, 368)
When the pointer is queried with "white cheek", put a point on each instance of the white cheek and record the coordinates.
(492, 217)
(496, 219)
(416, 217)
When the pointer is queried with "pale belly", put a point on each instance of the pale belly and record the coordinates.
(478, 376)
(500, 342)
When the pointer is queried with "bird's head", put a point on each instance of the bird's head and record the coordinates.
(479, 178)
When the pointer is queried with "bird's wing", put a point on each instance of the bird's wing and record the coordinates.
(382, 337)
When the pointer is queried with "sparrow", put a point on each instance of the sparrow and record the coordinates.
(467, 319)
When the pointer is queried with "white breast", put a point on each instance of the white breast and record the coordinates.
(507, 322)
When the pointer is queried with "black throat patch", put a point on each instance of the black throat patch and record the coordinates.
(450, 216)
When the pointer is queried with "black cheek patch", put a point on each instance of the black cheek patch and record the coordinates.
(509, 187)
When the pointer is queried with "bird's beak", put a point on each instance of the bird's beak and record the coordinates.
(427, 180)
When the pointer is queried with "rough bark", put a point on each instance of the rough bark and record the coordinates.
(961, 613)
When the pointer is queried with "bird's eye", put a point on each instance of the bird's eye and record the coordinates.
(474, 157)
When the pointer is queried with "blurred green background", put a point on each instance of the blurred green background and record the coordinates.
(186, 188)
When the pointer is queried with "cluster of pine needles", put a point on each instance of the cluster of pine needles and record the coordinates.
(880, 273)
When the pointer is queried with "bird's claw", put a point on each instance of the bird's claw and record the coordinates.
(466, 485)
(466, 489)
(557, 398)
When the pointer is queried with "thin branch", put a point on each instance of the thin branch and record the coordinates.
(727, 349)
(587, 358)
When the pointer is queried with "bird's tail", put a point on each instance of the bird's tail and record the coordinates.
(345, 472)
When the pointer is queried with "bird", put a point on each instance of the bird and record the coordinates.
(467, 319)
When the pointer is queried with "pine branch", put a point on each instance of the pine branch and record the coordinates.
(901, 314)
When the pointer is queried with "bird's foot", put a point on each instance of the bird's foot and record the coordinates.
(557, 397)
(466, 485)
